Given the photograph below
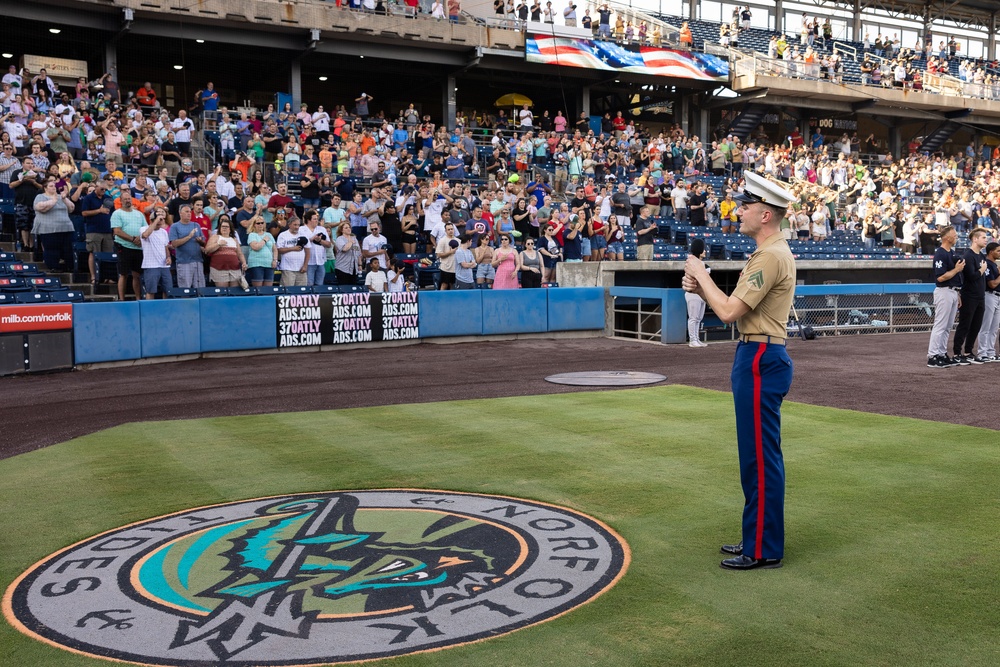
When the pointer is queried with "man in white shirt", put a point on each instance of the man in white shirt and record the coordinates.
(321, 124)
(445, 251)
(155, 258)
(13, 78)
(182, 127)
(375, 246)
(679, 199)
(436, 201)
(527, 117)
(293, 253)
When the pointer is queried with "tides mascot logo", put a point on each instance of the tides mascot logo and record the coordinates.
(318, 578)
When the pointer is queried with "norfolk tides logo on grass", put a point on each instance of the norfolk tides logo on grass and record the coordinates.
(320, 578)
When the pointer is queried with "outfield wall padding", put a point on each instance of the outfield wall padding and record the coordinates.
(451, 313)
(238, 323)
(169, 327)
(106, 332)
(575, 309)
(516, 311)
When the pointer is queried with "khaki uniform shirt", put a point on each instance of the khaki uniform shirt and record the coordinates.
(767, 285)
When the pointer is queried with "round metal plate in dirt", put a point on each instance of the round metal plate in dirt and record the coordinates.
(606, 378)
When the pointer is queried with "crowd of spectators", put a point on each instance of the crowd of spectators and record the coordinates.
(319, 192)
(882, 62)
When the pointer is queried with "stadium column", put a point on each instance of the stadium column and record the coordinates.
(856, 21)
(686, 115)
(449, 104)
(110, 56)
(692, 8)
(585, 99)
(991, 43)
(295, 82)
(895, 139)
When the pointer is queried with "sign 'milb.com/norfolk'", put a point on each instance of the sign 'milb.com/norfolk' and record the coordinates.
(319, 578)
(354, 317)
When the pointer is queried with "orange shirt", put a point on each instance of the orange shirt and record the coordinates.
(326, 159)
(366, 142)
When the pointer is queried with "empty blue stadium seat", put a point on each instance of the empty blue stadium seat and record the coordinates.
(13, 284)
(181, 293)
(31, 297)
(66, 296)
(213, 291)
(269, 290)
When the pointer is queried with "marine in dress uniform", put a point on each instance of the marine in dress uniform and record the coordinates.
(762, 370)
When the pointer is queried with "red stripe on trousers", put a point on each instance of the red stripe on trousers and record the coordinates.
(759, 442)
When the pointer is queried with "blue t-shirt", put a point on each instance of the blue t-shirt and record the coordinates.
(461, 273)
(458, 173)
(190, 252)
(100, 223)
(400, 136)
(572, 247)
(208, 102)
(944, 261)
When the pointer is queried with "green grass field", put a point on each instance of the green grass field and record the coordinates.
(892, 540)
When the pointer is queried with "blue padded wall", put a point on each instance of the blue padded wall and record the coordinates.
(169, 327)
(238, 323)
(451, 313)
(515, 311)
(106, 332)
(576, 308)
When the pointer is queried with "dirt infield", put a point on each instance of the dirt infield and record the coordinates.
(881, 374)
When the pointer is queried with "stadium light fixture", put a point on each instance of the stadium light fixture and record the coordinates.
(178, 66)
(55, 31)
(7, 55)
(322, 78)
(200, 41)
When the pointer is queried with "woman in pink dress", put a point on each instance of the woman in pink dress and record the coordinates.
(505, 261)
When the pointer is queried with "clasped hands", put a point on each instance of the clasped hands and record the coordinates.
(694, 269)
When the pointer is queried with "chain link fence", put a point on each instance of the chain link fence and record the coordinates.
(850, 314)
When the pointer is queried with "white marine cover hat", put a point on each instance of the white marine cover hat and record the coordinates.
(760, 190)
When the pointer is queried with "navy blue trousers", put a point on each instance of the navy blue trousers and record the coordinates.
(762, 375)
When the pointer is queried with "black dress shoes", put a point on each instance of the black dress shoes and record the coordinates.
(732, 549)
(743, 562)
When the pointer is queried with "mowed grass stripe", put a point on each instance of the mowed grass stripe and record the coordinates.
(891, 522)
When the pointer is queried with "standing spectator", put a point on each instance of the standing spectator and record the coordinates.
(182, 128)
(569, 14)
(155, 257)
(126, 223)
(146, 96)
(96, 208)
(376, 246)
(465, 263)
(52, 226)
(27, 184)
(226, 261)
(262, 258)
(187, 239)
(376, 280)
(362, 105)
(447, 247)
(531, 265)
(505, 262)
(293, 255)
(210, 105)
(316, 273)
(645, 230)
(347, 255)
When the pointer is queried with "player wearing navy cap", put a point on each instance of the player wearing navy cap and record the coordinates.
(973, 305)
(987, 346)
(695, 304)
(762, 371)
(948, 278)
